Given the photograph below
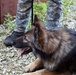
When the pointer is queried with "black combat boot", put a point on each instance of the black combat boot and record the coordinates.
(9, 41)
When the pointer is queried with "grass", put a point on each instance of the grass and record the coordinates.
(40, 9)
(9, 22)
(65, 7)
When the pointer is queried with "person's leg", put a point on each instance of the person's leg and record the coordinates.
(53, 14)
(23, 15)
(22, 18)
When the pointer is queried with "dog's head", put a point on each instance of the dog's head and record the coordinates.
(26, 41)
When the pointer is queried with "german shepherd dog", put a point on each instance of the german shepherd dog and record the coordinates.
(55, 50)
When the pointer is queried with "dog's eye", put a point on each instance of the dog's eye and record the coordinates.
(25, 41)
(24, 37)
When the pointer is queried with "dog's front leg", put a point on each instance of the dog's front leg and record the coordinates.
(33, 66)
(46, 72)
(41, 72)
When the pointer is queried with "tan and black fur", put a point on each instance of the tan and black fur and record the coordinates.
(55, 50)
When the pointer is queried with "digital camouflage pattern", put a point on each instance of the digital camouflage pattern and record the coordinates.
(53, 14)
(23, 14)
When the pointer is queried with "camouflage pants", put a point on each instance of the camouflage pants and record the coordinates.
(23, 14)
(53, 14)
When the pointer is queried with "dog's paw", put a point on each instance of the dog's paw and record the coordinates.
(28, 68)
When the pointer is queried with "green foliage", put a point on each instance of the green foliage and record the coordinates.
(40, 9)
(9, 22)
(66, 6)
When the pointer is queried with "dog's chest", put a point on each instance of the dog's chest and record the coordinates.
(49, 65)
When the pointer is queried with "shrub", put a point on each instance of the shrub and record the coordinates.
(9, 22)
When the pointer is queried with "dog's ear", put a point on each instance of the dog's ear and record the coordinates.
(38, 32)
(36, 19)
(37, 22)
(39, 37)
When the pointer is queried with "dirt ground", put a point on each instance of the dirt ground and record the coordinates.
(11, 63)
